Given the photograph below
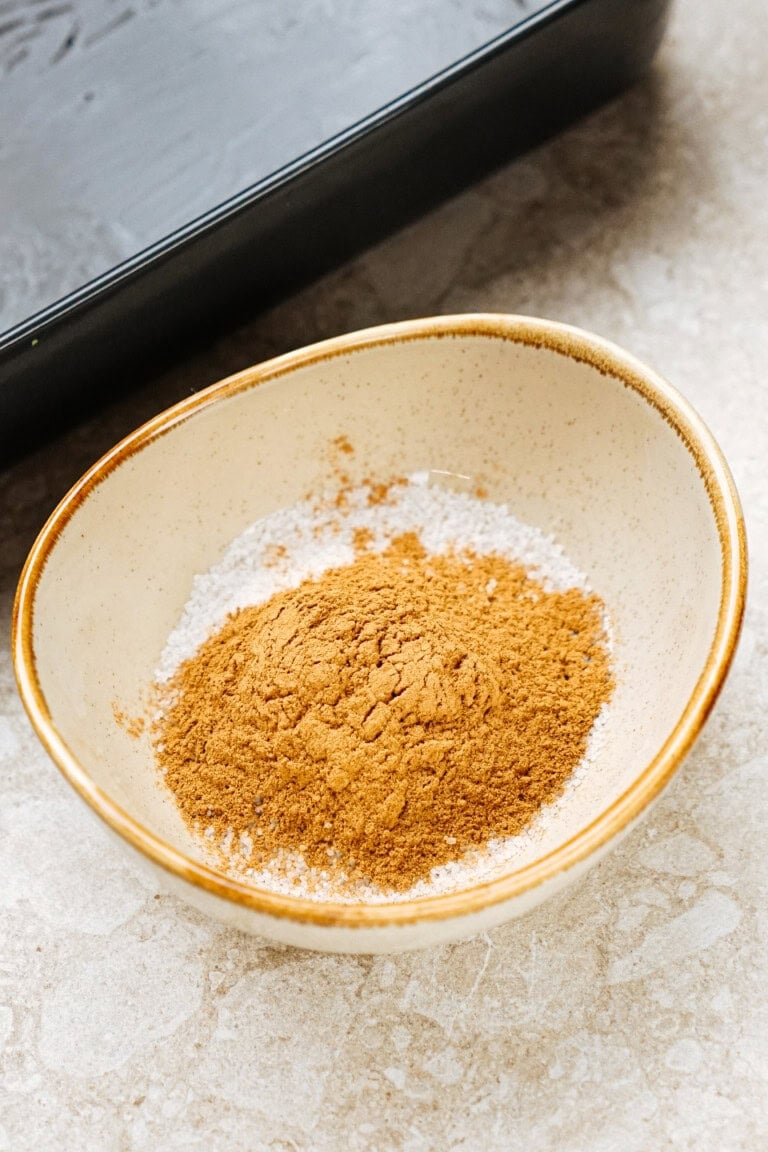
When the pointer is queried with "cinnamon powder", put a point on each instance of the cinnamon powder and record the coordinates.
(387, 717)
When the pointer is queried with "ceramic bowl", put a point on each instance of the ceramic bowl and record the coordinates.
(578, 437)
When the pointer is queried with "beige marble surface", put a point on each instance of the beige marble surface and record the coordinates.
(629, 1014)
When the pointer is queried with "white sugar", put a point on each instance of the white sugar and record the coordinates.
(304, 541)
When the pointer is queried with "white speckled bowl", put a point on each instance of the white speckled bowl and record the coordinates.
(577, 436)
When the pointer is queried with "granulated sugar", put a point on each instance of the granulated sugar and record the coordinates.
(301, 542)
(286, 548)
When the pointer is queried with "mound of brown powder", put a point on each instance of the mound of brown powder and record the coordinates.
(388, 716)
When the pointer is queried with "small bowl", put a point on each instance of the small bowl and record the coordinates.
(578, 437)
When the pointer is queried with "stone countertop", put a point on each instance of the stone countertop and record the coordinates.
(630, 1013)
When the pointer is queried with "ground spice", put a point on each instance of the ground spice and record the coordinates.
(132, 725)
(388, 716)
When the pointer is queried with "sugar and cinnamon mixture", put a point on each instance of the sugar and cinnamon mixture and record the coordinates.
(362, 694)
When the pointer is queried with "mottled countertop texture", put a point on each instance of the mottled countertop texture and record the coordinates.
(630, 1013)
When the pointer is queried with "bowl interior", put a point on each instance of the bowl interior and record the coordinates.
(572, 448)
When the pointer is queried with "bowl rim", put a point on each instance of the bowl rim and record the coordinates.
(563, 339)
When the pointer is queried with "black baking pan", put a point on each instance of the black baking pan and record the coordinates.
(317, 128)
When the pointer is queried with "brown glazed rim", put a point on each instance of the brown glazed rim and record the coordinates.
(562, 339)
